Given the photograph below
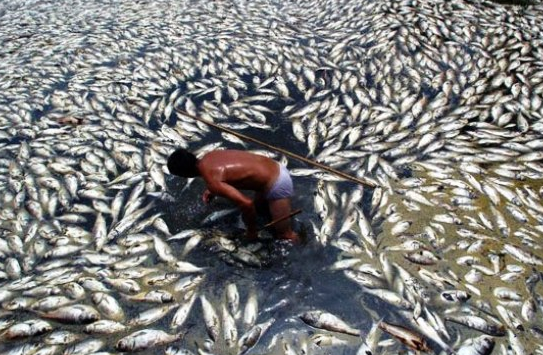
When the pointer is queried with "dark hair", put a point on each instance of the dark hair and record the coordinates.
(183, 163)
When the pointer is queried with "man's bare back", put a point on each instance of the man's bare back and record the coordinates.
(226, 172)
(240, 169)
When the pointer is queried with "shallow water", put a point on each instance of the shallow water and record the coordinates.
(294, 279)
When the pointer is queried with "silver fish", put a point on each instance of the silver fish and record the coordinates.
(328, 321)
(73, 314)
(146, 339)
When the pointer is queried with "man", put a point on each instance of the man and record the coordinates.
(228, 171)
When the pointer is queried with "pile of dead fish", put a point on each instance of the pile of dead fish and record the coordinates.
(439, 102)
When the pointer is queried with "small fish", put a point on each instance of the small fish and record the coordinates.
(105, 326)
(230, 332)
(422, 257)
(146, 339)
(217, 215)
(327, 340)
(246, 257)
(163, 250)
(183, 266)
(62, 337)
(232, 297)
(251, 310)
(482, 345)
(108, 305)
(183, 311)
(328, 321)
(154, 296)
(455, 296)
(251, 337)
(522, 255)
(211, 319)
(184, 234)
(191, 244)
(88, 346)
(151, 315)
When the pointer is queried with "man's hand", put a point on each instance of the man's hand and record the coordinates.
(245, 204)
(207, 196)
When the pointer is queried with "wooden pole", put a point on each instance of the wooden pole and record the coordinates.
(362, 181)
(274, 222)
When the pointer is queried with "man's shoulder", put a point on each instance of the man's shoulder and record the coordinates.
(229, 154)
(217, 153)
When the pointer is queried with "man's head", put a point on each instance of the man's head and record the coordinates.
(183, 163)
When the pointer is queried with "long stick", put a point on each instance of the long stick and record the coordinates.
(274, 222)
(362, 181)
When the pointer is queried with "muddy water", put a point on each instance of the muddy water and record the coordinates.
(294, 279)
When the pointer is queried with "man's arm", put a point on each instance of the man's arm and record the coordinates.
(244, 203)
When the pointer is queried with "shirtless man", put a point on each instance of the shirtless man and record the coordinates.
(228, 171)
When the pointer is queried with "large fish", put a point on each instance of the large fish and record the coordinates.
(406, 336)
(74, 314)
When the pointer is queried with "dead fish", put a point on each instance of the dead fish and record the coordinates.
(328, 321)
(482, 345)
(146, 339)
(250, 313)
(154, 296)
(151, 315)
(230, 331)
(183, 311)
(163, 250)
(406, 336)
(85, 347)
(251, 337)
(61, 337)
(29, 328)
(246, 257)
(323, 340)
(108, 305)
(211, 319)
(522, 255)
(478, 323)
(422, 257)
(184, 266)
(232, 297)
(175, 350)
(105, 326)
(24, 349)
(160, 279)
(51, 303)
(217, 215)
(455, 296)
(75, 314)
